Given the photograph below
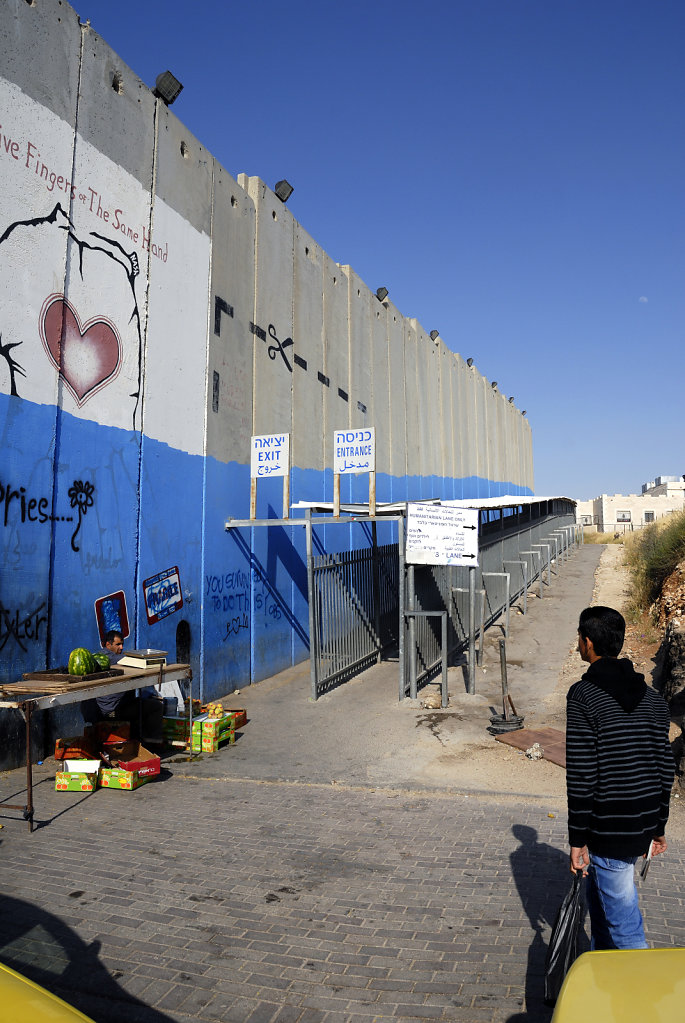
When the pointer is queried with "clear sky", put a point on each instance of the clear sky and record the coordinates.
(513, 171)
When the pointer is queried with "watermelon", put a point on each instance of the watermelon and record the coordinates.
(81, 662)
(102, 660)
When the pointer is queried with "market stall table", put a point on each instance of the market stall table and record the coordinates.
(44, 692)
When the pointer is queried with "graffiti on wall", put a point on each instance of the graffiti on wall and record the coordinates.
(277, 348)
(229, 595)
(77, 336)
(22, 627)
(20, 508)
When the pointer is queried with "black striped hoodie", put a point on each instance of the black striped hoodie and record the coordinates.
(619, 766)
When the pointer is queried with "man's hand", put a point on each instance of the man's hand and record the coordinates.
(580, 859)
(658, 845)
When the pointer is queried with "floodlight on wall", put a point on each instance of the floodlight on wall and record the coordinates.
(435, 334)
(382, 294)
(469, 362)
(494, 385)
(523, 413)
(283, 190)
(511, 400)
(167, 88)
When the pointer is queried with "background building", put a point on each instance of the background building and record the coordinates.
(625, 512)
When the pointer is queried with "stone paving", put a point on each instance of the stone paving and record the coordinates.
(276, 902)
(334, 866)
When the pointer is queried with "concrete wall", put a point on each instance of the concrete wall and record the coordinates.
(154, 314)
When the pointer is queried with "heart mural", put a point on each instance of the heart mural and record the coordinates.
(87, 356)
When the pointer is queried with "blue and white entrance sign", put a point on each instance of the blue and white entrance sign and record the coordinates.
(162, 594)
(354, 451)
(441, 535)
(270, 455)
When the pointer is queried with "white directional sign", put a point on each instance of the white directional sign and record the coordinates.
(270, 455)
(440, 535)
(354, 451)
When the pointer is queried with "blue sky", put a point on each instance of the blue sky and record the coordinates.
(511, 170)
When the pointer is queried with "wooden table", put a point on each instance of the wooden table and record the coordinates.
(45, 693)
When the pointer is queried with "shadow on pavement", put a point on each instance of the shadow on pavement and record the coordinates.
(542, 874)
(39, 946)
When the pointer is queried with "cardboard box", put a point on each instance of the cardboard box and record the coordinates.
(141, 761)
(216, 731)
(196, 739)
(240, 717)
(112, 731)
(176, 729)
(78, 747)
(79, 776)
(136, 767)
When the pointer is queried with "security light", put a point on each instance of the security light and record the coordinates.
(283, 190)
(511, 400)
(469, 362)
(435, 334)
(167, 88)
(493, 385)
(382, 294)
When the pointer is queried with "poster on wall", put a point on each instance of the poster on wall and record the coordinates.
(441, 535)
(162, 594)
(111, 615)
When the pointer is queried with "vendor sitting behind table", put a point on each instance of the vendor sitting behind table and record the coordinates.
(125, 705)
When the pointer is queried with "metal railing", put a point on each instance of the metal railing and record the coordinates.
(515, 552)
(365, 600)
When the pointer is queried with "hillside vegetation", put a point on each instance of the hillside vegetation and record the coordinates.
(652, 555)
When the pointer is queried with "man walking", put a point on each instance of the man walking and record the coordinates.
(619, 774)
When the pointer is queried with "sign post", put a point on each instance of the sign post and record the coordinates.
(354, 451)
(439, 534)
(270, 456)
(443, 535)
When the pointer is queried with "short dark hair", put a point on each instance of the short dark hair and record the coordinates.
(112, 634)
(605, 627)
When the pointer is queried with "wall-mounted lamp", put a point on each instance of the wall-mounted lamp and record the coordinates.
(523, 413)
(511, 400)
(435, 334)
(469, 362)
(167, 88)
(494, 385)
(283, 190)
(382, 294)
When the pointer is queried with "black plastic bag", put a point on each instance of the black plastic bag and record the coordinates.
(563, 944)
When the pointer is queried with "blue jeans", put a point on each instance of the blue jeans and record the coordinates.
(615, 917)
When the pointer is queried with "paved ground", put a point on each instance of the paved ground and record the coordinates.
(312, 886)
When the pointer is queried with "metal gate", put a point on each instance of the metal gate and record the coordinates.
(354, 597)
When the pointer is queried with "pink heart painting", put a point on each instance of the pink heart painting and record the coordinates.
(87, 356)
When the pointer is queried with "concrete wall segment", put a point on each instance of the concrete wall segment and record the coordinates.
(312, 383)
(273, 311)
(188, 299)
(116, 110)
(398, 407)
(184, 171)
(231, 308)
(40, 52)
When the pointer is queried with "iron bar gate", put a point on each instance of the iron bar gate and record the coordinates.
(353, 609)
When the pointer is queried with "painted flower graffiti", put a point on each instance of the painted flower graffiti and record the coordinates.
(81, 498)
